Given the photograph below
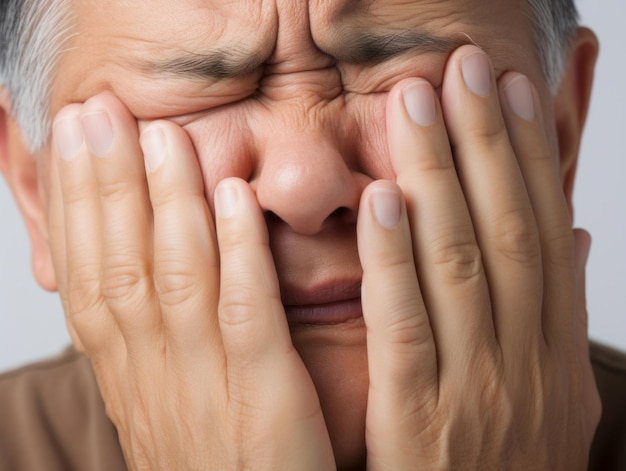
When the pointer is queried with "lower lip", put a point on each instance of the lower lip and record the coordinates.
(325, 314)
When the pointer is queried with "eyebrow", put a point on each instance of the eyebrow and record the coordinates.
(366, 48)
(362, 48)
(214, 65)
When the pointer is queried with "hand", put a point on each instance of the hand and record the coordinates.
(471, 290)
(189, 343)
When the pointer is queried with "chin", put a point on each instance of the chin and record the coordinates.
(336, 358)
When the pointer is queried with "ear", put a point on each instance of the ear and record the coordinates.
(572, 104)
(19, 167)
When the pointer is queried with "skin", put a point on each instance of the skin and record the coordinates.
(472, 350)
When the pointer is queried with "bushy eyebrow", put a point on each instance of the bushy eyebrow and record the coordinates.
(354, 48)
(213, 65)
(364, 48)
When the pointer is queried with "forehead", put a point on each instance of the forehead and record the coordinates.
(115, 33)
(254, 21)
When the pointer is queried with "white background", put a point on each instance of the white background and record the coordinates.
(32, 324)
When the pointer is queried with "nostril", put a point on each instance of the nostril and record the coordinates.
(271, 216)
(341, 215)
(338, 212)
(344, 215)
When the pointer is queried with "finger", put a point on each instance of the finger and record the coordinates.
(251, 313)
(186, 261)
(497, 198)
(399, 336)
(265, 374)
(56, 234)
(126, 276)
(539, 169)
(81, 241)
(402, 359)
(446, 252)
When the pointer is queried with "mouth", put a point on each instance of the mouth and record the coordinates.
(328, 304)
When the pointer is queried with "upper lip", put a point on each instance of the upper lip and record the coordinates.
(322, 293)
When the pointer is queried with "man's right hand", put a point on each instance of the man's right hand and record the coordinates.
(189, 343)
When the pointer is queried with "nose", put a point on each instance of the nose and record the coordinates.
(306, 182)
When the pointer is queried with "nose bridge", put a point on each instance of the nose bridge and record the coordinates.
(305, 173)
(307, 86)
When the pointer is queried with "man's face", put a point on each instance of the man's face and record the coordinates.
(290, 95)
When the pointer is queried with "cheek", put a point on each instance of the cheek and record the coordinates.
(223, 144)
(371, 135)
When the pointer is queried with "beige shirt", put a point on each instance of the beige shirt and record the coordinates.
(52, 417)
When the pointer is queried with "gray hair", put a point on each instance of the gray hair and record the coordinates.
(555, 22)
(33, 32)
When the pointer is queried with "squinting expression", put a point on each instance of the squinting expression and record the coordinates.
(290, 95)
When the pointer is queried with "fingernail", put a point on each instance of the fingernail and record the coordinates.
(226, 199)
(154, 148)
(386, 207)
(98, 132)
(419, 101)
(520, 98)
(476, 73)
(68, 137)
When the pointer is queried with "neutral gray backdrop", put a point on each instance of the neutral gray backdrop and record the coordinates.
(32, 324)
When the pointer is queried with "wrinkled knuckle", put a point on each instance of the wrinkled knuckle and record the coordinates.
(431, 164)
(175, 285)
(115, 191)
(517, 239)
(78, 193)
(459, 260)
(83, 292)
(124, 278)
(393, 259)
(490, 132)
(237, 308)
(410, 331)
(164, 196)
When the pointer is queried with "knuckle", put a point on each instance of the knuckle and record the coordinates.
(163, 195)
(116, 190)
(458, 257)
(237, 308)
(432, 162)
(83, 291)
(517, 239)
(233, 241)
(174, 284)
(490, 131)
(77, 193)
(394, 259)
(174, 194)
(410, 332)
(123, 277)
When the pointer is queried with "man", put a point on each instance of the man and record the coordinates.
(302, 234)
